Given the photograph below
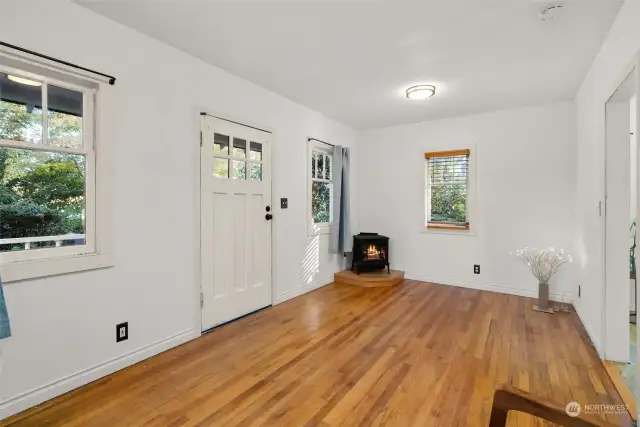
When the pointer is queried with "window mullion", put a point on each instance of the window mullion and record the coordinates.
(45, 115)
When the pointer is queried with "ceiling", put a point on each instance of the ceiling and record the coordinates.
(352, 59)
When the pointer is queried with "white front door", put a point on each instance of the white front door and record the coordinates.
(235, 186)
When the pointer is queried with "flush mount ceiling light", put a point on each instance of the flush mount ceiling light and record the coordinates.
(23, 81)
(421, 92)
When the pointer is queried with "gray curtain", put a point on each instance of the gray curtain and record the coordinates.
(5, 327)
(340, 240)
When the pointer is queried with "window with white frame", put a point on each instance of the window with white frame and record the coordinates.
(320, 183)
(447, 189)
(47, 165)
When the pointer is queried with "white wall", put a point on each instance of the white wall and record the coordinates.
(525, 161)
(633, 184)
(618, 50)
(65, 325)
(633, 154)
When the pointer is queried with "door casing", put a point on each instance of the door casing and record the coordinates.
(612, 341)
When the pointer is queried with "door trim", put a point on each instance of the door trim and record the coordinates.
(634, 64)
(204, 113)
(197, 127)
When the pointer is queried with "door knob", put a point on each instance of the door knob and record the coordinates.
(268, 217)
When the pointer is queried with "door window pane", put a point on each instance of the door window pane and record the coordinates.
(220, 168)
(20, 109)
(239, 169)
(256, 151)
(320, 202)
(255, 172)
(42, 198)
(239, 148)
(64, 114)
(221, 145)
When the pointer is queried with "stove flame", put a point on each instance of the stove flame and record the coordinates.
(373, 252)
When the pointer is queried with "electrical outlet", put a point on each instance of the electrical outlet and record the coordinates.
(476, 269)
(284, 203)
(122, 332)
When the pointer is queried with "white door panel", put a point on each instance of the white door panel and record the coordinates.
(236, 236)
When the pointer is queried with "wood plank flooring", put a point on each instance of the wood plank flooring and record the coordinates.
(417, 354)
(626, 395)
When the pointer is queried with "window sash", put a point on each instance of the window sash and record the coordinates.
(87, 150)
(466, 215)
(325, 154)
(330, 205)
(325, 150)
(88, 101)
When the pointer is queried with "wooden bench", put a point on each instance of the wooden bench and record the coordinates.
(507, 398)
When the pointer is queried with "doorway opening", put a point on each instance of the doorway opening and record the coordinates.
(621, 213)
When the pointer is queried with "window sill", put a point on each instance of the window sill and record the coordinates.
(26, 270)
(448, 227)
(455, 230)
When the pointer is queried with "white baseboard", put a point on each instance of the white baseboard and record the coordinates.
(587, 327)
(36, 396)
(56, 388)
(568, 298)
(303, 290)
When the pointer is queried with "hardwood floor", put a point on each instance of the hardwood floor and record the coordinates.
(417, 354)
